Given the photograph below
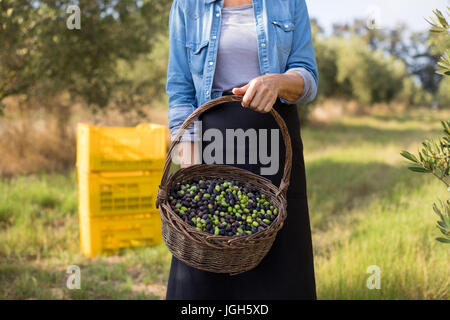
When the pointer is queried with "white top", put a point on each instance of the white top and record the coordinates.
(237, 53)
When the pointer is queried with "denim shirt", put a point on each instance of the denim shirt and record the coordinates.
(284, 44)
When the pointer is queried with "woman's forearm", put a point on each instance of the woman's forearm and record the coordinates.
(290, 85)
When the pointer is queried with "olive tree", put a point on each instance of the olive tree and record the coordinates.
(434, 158)
(42, 58)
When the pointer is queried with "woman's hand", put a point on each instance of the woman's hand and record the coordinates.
(261, 93)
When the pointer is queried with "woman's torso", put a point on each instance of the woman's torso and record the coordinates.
(274, 31)
(237, 54)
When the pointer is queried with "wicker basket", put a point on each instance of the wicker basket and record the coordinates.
(221, 254)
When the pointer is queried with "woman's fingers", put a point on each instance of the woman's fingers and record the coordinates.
(263, 100)
(249, 94)
(259, 95)
(257, 102)
(268, 102)
(241, 90)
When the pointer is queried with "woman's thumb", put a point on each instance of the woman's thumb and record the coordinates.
(241, 90)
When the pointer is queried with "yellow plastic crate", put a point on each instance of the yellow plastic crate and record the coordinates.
(121, 149)
(107, 235)
(104, 194)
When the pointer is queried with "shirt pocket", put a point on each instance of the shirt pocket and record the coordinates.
(197, 55)
(284, 33)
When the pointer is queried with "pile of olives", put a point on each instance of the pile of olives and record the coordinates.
(220, 207)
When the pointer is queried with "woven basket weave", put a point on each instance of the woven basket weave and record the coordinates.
(221, 254)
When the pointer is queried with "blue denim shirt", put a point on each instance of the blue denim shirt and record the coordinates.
(284, 44)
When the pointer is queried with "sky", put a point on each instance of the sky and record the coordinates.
(387, 13)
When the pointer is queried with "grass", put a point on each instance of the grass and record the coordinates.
(366, 209)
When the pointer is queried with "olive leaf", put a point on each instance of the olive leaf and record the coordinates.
(409, 156)
(419, 169)
(444, 240)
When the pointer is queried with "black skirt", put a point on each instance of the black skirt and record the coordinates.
(287, 272)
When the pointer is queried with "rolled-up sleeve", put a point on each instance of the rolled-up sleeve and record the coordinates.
(302, 59)
(179, 86)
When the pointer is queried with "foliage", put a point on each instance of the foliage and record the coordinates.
(41, 57)
(434, 158)
(443, 211)
(399, 42)
(443, 94)
(372, 76)
(413, 94)
(142, 80)
(351, 69)
(328, 69)
(441, 41)
(372, 66)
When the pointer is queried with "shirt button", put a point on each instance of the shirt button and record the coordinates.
(211, 63)
(214, 37)
(263, 45)
(207, 92)
(217, 14)
(286, 26)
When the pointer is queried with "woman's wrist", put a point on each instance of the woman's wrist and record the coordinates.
(289, 85)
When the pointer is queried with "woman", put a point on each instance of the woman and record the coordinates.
(261, 49)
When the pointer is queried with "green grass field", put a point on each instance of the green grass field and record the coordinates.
(366, 209)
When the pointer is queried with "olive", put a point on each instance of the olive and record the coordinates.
(221, 207)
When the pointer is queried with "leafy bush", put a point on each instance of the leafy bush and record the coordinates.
(349, 68)
(326, 62)
(443, 94)
(373, 77)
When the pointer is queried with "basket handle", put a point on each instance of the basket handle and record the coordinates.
(284, 184)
